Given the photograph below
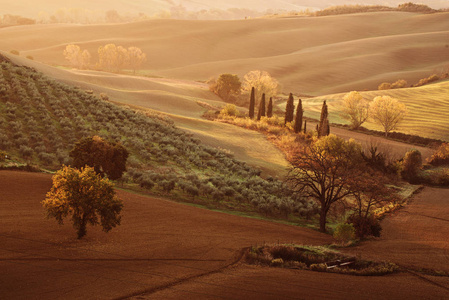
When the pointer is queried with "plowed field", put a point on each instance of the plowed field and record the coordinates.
(169, 250)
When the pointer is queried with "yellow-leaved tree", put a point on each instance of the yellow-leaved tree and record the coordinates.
(78, 58)
(355, 109)
(136, 58)
(262, 82)
(387, 112)
(86, 197)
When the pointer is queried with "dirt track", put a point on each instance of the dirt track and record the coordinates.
(164, 250)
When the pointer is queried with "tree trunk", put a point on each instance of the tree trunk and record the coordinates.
(323, 214)
(82, 229)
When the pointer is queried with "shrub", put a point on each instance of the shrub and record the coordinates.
(230, 110)
(146, 183)
(401, 83)
(365, 226)
(411, 164)
(167, 185)
(440, 156)
(30, 57)
(15, 52)
(384, 86)
(344, 233)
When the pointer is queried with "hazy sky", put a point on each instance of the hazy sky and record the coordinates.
(150, 7)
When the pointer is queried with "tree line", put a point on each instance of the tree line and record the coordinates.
(111, 58)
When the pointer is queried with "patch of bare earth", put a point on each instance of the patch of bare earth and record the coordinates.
(416, 236)
(166, 250)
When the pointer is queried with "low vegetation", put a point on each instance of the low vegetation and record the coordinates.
(41, 120)
(319, 259)
(352, 9)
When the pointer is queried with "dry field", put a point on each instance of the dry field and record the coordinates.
(428, 109)
(169, 250)
(319, 55)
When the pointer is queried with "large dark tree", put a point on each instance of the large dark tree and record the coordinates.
(261, 112)
(270, 108)
(298, 117)
(325, 171)
(252, 104)
(323, 126)
(289, 109)
(106, 158)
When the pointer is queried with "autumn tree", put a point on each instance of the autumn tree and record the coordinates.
(325, 170)
(323, 126)
(298, 117)
(270, 108)
(106, 158)
(387, 112)
(289, 109)
(369, 192)
(112, 57)
(252, 103)
(78, 58)
(355, 109)
(86, 197)
(411, 165)
(261, 112)
(262, 82)
(227, 86)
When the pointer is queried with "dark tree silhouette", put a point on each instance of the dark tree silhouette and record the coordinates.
(298, 117)
(261, 112)
(323, 126)
(252, 103)
(270, 108)
(104, 157)
(289, 109)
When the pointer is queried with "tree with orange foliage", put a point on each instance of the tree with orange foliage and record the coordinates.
(86, 197)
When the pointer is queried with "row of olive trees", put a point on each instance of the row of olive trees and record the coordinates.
(384, 110)
(110, 57)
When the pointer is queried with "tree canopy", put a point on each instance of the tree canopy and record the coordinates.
(86, 197)
(355, 109)
(387, 112)
(325, 171)
(262, 82)
(227, 86)
(106, 158)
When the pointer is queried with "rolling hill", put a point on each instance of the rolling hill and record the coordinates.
(319, 55)
(428, 109)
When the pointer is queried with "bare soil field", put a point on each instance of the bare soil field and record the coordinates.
(169, 250)
(417, 235)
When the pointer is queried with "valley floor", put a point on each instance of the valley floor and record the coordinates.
(167, 250)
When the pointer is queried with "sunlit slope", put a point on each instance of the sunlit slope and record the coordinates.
(428, 109)
(319, 55)
(179, 99)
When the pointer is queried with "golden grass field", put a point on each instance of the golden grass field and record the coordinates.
(428, 109)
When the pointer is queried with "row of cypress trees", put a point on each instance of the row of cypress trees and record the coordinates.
(322, 128)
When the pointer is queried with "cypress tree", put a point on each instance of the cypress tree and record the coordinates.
(261, 112)
(252, 102)
(270, 108)
(323, 127)
(298, 117)
(289, 109)
(305, 126)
